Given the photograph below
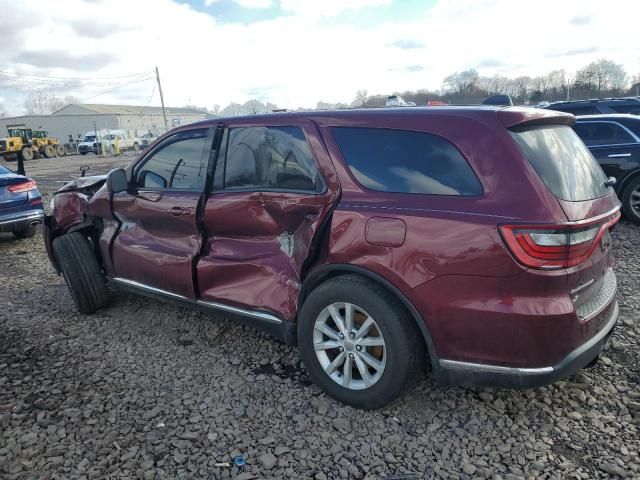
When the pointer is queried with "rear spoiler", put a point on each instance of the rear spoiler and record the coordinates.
(524, 116)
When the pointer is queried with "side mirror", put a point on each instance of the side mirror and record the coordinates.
(83, 170)
(610, 182)
(117, 181)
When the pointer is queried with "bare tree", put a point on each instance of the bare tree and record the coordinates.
(360, 99)
(42, 102)
(461, 82)
(522, 85)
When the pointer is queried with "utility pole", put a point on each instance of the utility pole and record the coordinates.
(164, 114)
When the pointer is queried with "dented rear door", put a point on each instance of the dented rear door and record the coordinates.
(274, 187)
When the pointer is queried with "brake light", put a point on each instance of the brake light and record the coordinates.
(555, 246)
(23, 187)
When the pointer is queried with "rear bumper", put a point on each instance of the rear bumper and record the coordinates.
(19, 220)
(452, 372)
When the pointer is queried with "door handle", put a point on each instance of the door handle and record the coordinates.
(618, 155)
(177, 211)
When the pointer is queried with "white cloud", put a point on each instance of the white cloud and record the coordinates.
(328, 8)
(245, 3)
(303, 57)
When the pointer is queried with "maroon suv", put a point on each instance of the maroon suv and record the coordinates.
(373, 239)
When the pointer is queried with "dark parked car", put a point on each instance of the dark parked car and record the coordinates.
(474, 238)
(594, 107)
(615, 142)
(20, 204)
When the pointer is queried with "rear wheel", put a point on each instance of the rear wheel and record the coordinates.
(48, 151)
(26, 153)
(136, 147)
(631, 201)
(60, 151)
(27, 231)
(358, 342)
(81, 272)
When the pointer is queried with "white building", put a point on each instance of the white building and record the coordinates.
(70, 123)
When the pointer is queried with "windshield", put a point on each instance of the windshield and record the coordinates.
(89, 138)
(562, 161)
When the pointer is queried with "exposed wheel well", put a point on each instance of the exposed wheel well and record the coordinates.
(324, 273)
(625, 181)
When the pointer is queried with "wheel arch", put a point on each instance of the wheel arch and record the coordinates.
(326, 272)
(625, 181)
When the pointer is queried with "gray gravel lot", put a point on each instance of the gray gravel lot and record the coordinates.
(149, 390)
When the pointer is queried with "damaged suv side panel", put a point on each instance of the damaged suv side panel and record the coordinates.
(262, 228)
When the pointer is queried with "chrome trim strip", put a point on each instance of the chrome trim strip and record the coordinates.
(37, 216)
(485, 368)
(149, 288)
(213, 305)
(619, 155)
(482, 367)
(247, 313)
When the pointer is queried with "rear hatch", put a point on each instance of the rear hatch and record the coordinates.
(581, 245)
(11, 194)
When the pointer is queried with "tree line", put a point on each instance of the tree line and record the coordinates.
(598, 79)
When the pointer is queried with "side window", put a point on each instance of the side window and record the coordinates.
(578, 110)
(178, 164)
(600, 133)
(277, 158)
(406, 162)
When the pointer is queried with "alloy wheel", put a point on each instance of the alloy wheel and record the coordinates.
(349, 346)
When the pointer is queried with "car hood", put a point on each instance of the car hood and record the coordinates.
(81, 183)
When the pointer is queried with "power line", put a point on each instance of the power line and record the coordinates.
(119, 86)
(49, 77)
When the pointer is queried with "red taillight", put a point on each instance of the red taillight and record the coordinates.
(555, 246)
(23, 187)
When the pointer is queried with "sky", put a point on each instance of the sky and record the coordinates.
(295, 53)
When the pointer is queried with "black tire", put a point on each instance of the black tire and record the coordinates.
(136, 147)
(25, 232)
(629, 194)
(27, 153)
(48, 151)
(405, 352)
(83, 153)
(81, 272)
(60, 151)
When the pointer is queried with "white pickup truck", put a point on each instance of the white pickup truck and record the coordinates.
(107, 141)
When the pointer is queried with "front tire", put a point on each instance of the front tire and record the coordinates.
(136, 147)
(48, 151)
(27, 153)
(631, 201)
(27, 231)
(358, 343)
(81, 272)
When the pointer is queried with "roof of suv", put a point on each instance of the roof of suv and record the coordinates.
(608, 116)
(615, 101)
(509, 116)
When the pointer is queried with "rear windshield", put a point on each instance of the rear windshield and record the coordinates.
(562, 161)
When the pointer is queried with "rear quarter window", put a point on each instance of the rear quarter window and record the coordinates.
(562, 161)
(404, 161)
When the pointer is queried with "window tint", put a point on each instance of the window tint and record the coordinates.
(405, 161)
(600, 133)
(633, 108)
(562, 161)
(179, 164)
(270, 158)
(577, 110)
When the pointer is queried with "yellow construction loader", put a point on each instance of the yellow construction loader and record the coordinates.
(47, 146)
(28, 144)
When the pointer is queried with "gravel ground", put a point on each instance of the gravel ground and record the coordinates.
(148, 390)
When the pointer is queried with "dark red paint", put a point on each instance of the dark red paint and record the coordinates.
(445, 254)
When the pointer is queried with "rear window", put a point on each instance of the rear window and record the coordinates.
(405, 161)
(562, 161)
